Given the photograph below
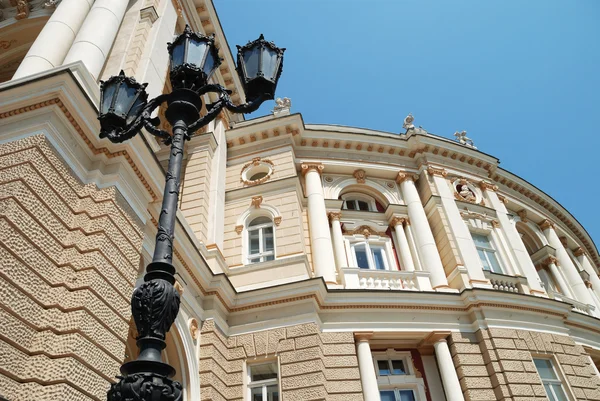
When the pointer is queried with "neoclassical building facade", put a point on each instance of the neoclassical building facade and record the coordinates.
(314, 262)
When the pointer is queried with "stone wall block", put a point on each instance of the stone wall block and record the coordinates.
(502, 333)
(301, 368)
(302, 330)
(479, 395)
(302, 381)
(521, 389)
(340, 361)
(307, 342)
(337, 337)
(339, 349)
(592, 394)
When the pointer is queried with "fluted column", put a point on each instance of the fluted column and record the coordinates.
(97, 34)
(337, 237)
(54, 41)
(587, 266)
(425, 242)
(368, 378)
(578, 287)
(552, 262)
(320, 237)
(403, 250)
(516, 245)
(448, 371)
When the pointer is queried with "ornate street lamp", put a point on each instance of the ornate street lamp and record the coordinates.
(124, 110)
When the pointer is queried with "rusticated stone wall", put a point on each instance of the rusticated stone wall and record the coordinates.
(70, 257)
(497, 364)
(313, 365)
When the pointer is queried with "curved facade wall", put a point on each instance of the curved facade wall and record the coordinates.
(314, 262)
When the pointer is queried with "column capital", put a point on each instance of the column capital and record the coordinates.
(436, 171)
(397, 220)
(544, 225)
(487, 186)
(403, 176)
(434, 337)
(523, 215)
(306, 167)
(334, 215)
(579, 252)
(550, 260)
(363, 336)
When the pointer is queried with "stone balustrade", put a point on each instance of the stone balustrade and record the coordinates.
(355, 278)
(502, 282)
(577, 306)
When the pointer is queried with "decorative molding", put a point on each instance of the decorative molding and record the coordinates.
(22, 9)
(149, 13)
(360, 176)
(436, 171)
(362, 336)
(306, 167)
(257, 161)
(523, 215)
(334, 216)
(401, 177)
(563, 241)
(239, 229)
(277, 220)
(194, 329)
(503, 199)
(546, 224)
(579, 252)
(366, 231)
(256, 201)
(486, 186)
(465, 194)
(178, 287)
(495, 224)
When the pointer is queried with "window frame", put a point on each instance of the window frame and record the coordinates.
(359, 197)
(378, 242)
(493, 249)
(264, 384)
(552, 382)
(262, 255)
(408, 381)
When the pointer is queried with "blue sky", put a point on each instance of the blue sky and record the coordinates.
(521, 77)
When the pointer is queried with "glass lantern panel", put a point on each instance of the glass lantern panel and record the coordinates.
(269, 63)
(196, 52)
(109, 92)
(177, 54)
(209, 65)
(251, 60)
(125, 99)
(135, 110)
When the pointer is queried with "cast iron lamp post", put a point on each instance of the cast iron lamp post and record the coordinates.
(124, 110)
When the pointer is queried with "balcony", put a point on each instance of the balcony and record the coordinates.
(577, 306)
(502, 282)
(366, 279)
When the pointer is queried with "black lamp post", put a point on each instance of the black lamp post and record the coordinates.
(124, 110)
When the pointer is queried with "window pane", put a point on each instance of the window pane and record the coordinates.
(263, 372)
(258, 176)
(484, 261)
(387, 396)
(549, 392)
(363, 205)
(361, 256)
(273, 393)
(559, 392)
(407, 395)
(270, 257)
(378, 258)
(256, 394)
(544, 368)
(494, 261)
(259, 220)
(268, 238)
(350, 205)
(398, 367)
(384, 368)
(254, 242)
(481, 241)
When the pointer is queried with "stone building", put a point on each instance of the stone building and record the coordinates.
(315, 262)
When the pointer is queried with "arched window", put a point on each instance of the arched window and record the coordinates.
(261, 242)
(362, 202)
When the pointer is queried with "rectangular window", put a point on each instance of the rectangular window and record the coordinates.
(487, 253)
(550, 380)
(263, 383)
(370, 256)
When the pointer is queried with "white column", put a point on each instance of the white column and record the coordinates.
(216, 212)
(425, 242)
(558, 277)
(578, 287)
(587, 266)
(95, 38)
(516, 245)
(460, 232)
(413, 247)
(337, 237)
(54, 41)
(320, 237)
(368, 378)
(403, 250)
(448, 371)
